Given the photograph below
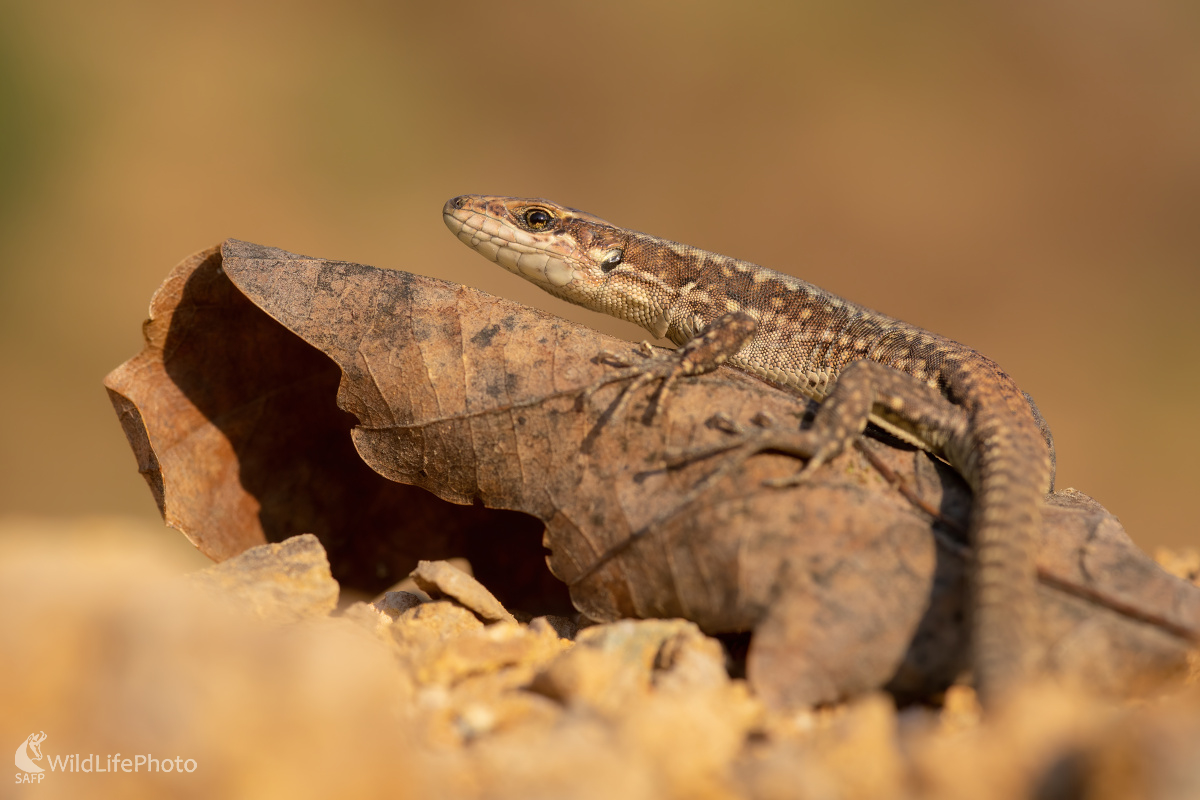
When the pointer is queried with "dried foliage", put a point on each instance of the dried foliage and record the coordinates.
(847, 584)
(234, 423)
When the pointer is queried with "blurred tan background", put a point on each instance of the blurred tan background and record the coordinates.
(1021, 176)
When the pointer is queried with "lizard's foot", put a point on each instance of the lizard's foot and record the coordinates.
(665, 367)
(704, 353)
(820, 452)
(644, 350)
(809, 444)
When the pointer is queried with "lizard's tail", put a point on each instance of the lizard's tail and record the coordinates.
(1010, 477)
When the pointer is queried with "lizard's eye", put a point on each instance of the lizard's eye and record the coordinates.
(611, 260)
(538, 218)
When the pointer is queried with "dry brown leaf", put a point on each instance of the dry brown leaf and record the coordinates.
(234, 424)
(475, 399)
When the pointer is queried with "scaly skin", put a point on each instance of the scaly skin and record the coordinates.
(922, 387)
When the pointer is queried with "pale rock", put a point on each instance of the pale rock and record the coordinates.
(367, 616)
(615, 663)
(432, 623)
(283, 582)
(690, 661)
(441, 579)
(508, 654)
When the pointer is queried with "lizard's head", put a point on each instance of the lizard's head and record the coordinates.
(569, 253)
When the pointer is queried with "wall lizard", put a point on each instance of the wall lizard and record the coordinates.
(862, 365)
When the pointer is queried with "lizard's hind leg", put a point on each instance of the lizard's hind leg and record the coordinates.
(865, 391)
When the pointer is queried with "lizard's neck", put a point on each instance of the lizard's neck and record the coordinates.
(657, 282)
(699, 287)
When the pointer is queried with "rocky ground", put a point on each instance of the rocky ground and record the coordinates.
(261, 678)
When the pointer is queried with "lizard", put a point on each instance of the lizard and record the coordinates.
(862, 366)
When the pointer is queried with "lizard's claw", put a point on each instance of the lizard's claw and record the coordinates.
(725, 423)
(666, 367)
(614, 359)
(817, 450)
(821, 456)
(675, 459)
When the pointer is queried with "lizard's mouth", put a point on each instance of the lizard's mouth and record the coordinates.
(510, 247)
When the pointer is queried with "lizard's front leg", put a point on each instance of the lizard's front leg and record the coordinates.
(706, 351)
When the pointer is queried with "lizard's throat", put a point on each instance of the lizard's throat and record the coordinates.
(654, 318)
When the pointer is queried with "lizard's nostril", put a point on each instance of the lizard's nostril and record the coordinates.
(458, 201)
